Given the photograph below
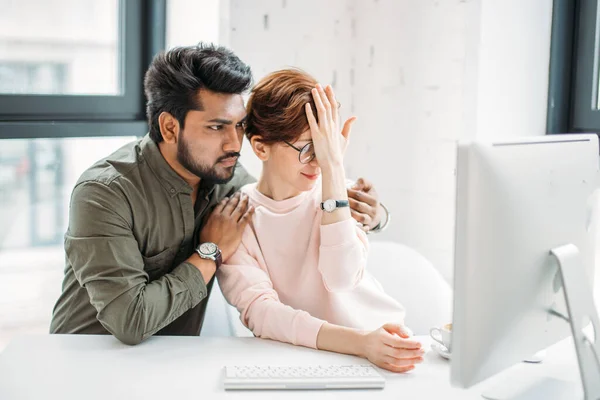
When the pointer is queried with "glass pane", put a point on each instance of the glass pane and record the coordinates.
(59, 47)
(598, 92)
(598, 49)
(36, 179)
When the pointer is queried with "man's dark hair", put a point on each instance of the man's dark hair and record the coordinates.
(175, 77)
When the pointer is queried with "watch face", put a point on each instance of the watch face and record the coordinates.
(208, 248)
(329, 205)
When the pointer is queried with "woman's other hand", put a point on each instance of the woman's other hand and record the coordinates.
(389, 347)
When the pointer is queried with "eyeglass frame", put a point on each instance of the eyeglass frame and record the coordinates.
(299, 150)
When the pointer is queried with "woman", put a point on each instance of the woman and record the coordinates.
(299, 274)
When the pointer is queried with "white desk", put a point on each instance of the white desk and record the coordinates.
(100, 367)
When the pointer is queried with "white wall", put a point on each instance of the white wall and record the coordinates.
(513, 59)
(409, 98)
(189, 22)
(270, 35)
(419, 75)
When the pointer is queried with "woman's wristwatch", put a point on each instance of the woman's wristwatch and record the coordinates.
(331, 205)
(210, 251)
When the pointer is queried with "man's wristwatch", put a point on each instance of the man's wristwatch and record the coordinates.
(210, 251)
(331, 205)
(382, 224)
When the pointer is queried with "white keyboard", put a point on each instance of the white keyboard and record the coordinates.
(312, 377)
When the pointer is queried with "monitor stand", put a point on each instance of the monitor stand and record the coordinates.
(580, 306)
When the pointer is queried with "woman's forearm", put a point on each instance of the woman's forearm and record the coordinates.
(340, 339)
(334, 187)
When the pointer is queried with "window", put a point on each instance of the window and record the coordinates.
(83, 50)
(586, 102)
(574, 87)
(598, 96)
(69, 80)
(79, 64)
(32, 77)
(36, 180)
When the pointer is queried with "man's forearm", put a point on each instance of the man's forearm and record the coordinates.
(133, 312)
(381, 221)
(206, 267)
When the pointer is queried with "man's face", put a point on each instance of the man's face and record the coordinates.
(210, 143)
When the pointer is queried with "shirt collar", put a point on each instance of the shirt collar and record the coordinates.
(206, 189)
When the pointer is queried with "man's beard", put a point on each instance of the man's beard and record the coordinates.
(203, 172)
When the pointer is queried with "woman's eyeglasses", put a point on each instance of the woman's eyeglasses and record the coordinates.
(305, 154)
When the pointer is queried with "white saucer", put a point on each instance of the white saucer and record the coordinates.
(441, 350)
(537, 357)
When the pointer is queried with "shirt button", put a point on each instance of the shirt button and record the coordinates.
(172, 190)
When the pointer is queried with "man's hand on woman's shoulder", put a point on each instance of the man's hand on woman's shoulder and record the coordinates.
(226, 223)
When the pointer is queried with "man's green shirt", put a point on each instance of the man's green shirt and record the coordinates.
(132, 225)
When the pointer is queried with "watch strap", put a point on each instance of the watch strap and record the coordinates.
(218, 258)
(342, 203)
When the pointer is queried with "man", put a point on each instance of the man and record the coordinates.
(150, 224)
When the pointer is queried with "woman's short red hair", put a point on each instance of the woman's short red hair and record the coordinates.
(276, 107)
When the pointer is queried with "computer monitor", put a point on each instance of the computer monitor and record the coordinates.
(517, 200)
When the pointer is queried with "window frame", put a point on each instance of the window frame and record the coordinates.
(574, 67)
(586, 108)
(142, 31)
